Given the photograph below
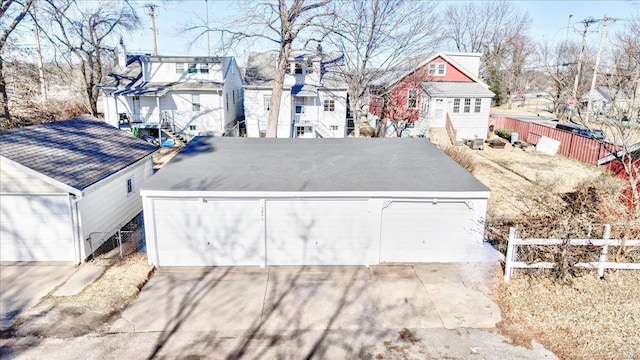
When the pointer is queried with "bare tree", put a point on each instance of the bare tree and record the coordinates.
(83, 34)
(495, 29)
(11, 13)
(278, 22)
(375, 36)
(558, 61)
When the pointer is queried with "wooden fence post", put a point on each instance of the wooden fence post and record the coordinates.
(508, 270)
(603, 253)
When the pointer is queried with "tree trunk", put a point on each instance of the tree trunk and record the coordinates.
(276, 94)
(4, 115)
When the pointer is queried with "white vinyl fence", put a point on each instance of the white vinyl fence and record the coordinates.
(601, 264)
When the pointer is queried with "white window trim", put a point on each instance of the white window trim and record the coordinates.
(477, 105)
(467, 108)
(454, 106)
(434, 69)
(329, 104)
(415, 97)
(133, 187)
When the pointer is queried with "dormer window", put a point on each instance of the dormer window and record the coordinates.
(204, 68)
(309, 67)
(193, 68)
(437, 69)
(179, 68)
(298, 68)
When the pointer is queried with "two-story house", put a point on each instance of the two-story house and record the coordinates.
(314, 99)
(190, 95)
(431, 90)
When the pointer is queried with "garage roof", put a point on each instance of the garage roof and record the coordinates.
(77, 152)
(312, 165)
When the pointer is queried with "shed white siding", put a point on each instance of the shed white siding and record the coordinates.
(16, 180)
(200, 229)
(106, 206)
(36, 227)
(317, 232)
(197, 232)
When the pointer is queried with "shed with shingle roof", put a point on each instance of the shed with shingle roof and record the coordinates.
(66, 187)
(244, 201)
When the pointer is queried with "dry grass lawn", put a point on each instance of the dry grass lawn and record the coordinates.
(590, 318)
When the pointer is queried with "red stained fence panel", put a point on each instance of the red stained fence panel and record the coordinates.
(571, 145)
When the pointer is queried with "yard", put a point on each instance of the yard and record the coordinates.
(583, 318)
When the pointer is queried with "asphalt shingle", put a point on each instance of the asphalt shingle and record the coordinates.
(78, 152)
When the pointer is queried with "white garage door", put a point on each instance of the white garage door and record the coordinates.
(316, 232)
(192, 232)
(426, 232)
(36, 228)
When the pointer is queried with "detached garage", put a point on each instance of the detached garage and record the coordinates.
(66, 187)
(240, 201)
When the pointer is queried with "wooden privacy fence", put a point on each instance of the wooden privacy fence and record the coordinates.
(572, 145)
(601, 264)
(451, 131)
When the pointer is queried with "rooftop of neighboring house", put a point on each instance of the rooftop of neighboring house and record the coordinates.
(393, 74)
(77, 152)
(353, 165)
(261, 68)
(607, 93)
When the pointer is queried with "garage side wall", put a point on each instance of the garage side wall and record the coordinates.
(206, 230)
(107, 205)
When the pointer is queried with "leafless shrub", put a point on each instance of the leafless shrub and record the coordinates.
(460, 156)
(578, 214)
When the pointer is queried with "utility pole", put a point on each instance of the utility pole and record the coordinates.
(603, 31)
(586, 23)
(36, 31)
(152, 14)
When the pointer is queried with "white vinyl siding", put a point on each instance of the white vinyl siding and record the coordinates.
(107, 206)
(16, 180)
(36, 228)
(426, 232)
(193, 232)
(316, 232)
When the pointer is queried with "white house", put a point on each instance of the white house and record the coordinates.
(336, 202)
(190, 95)
(607, 100)
(314, 99)
(67, 186)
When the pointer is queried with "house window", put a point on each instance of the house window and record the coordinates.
(299, 105)
(227, 104)
(193, 127)
(298, 68)
(467, 105)
(334, 127)
(130, 187)
(437, 69)
(195, 102)
(412, 99)
(267, 102)
(456, 105)
(476, 108)
(233, 94)
(193, 68)
(204, 68)
(179, 68)
(309, 67)
(329, 105)
(300, 131)
(288, 68)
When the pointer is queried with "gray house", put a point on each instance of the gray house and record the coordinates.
(244, 201)
(66, 187)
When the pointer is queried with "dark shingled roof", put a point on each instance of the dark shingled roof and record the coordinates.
(309, 165)
(78, 152)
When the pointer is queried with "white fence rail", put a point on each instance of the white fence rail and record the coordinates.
(601, 264)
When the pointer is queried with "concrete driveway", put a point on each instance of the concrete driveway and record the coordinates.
(22, 286)
(306, 312)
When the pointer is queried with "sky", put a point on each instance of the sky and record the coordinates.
(550, 22)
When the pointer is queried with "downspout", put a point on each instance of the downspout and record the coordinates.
(159, 120)
(76, 227)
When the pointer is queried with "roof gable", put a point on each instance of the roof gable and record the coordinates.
(437, 57)
(77, 152)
